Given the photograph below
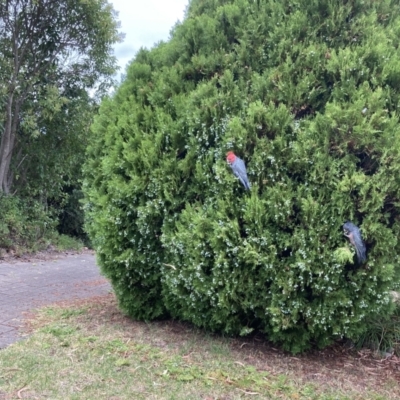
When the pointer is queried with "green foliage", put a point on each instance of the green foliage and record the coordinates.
(49, 84)
(71, 217)
(24, 224)
(64, 242)
(64, 53)
(382, 333)
(48, 163)
(307, 94)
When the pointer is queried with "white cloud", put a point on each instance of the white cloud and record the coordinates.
(144, 24)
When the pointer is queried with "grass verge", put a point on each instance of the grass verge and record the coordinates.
(91, 351)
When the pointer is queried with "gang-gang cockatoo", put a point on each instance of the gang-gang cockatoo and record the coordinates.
(238, 168)
(353, 233)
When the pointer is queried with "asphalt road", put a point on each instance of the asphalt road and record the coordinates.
(28, 285)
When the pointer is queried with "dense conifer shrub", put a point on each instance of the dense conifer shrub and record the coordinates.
(307, 93)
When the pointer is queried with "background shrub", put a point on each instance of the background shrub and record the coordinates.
(24, 225)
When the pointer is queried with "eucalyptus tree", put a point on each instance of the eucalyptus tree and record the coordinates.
(53, 53)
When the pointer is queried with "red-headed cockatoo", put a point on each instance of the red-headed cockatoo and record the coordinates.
(238, 168)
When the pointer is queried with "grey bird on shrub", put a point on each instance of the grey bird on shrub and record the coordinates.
(239, 168)
(353, 233)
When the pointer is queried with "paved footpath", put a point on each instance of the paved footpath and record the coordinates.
(25, 286)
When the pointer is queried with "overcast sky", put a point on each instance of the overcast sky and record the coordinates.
(145, 22)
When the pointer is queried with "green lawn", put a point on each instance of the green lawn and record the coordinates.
(90, 351)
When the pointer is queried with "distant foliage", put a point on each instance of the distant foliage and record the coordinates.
(70, 218)
(56, 62)
(306, 93)
(24, 225)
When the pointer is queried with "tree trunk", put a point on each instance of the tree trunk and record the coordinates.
(6, 146)
(14, 127)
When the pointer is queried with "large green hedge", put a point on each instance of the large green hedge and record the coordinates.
(307, 93)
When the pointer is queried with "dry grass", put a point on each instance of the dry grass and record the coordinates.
(88, 350)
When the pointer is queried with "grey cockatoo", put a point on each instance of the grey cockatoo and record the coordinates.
(353, 233)
(238, 168)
